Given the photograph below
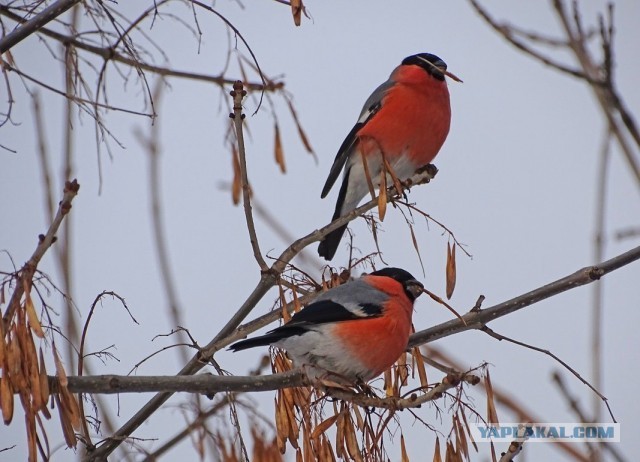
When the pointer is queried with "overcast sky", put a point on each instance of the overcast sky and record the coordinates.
(517, 185)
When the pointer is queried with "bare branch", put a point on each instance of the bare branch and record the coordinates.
(108, 53)
(238, 93)
(201, 383)
(575, 406)
(38, 21)
(498, 336)
(45, 241)
(477, 319)
(413, 401)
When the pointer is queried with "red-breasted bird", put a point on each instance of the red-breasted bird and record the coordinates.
(352, 332)
(406, 119)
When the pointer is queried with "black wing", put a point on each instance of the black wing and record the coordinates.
(371, 107)
(321, 312)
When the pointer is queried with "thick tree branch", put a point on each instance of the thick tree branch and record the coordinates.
(202, 383)
(209, 384)
(478, 318)
(38, 21)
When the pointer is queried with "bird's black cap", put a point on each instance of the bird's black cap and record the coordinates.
(403, 277)
(434, 66)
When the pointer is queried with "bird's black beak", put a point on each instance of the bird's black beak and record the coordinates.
(414, 289)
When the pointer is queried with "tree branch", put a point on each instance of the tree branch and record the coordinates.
(208, 384)
(38, 21)
(238, 93)
(478, 318)
(45, 241)
(109, 53)
(205, 383)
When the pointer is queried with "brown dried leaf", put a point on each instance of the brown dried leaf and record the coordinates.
(34, 323)
(396, 182)
(301, 133)
(296, 11)
(281, 437)
(359, 418)
(293, 431)
(323, 426)
(492, 415)
(327, 450)
(67, 429)
(450, 454)
(419, 365)
(306, 446)
(403, 450)
(278, 150)
(299, 455)
(461, 438)
(451, 270)
(33, 374)
(382, 198)
(296, 302)
(493, 453)
(31, 436)
(466, 426)
(44, 441)
(436, 453)
(367, 174)
(388, 383)
(236, 185)
(6, 398)
(352, 440)
(402, 370)
(415, 243)
(72, 407)
(44, 382)
(14, 363)
(62, 375)
(340, 426)
(3, 347)
(286, 317)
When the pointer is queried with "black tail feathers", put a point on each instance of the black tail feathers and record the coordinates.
(263, 340)
(328, 247)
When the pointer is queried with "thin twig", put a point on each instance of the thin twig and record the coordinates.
(598, 255)
(575, 407)
(497, 336)
(29, 268)
(238, 95)
(187, 431)
(514, 405)
(604, 95)
(43, 156)
(414, 400)
(150, 143)
(107, 53)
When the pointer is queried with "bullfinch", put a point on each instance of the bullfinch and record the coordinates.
(406, 120)
(351, 333)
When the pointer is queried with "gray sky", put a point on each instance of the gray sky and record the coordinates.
(517, 185)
